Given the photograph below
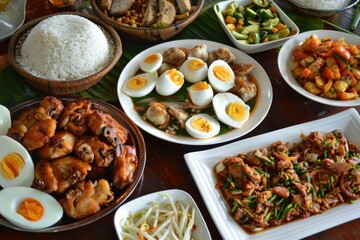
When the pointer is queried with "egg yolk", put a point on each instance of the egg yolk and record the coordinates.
(175, 76)
(201, 124)
(31, 209)
(196, 64)
(222, 73)
(151, 59)
(200, 86)
(136, 83)
(236, 111)
(11, 165)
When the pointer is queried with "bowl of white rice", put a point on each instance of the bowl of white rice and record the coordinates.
(64, 53)
(322, 8)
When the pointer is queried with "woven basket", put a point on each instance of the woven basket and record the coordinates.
(64, 87)
(317, 12)
(147, 34)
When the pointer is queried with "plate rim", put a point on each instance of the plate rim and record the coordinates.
(199, 167)
(125, 100)
(284, 57)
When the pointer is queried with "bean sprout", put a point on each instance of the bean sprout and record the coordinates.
(162, 220)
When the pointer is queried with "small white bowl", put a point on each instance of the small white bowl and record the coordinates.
(285, 56)
(260, 47)
(201, 232)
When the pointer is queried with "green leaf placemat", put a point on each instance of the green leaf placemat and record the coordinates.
(14, 89)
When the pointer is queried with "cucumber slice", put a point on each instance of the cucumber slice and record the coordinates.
(254, 37)
(266, 13)
(250, 28)
(284, 32)
(239, 36)
(250, 13)
(262, 3)
(273, 36)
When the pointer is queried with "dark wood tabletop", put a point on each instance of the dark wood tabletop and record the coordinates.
(165, 166)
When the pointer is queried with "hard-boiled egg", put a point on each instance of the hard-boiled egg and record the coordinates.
(5, 120)
(230, 109)
(29, 208)
(169, 82)
(16, 165)
(151, 63)
(194, 70)
(221, 77)
(201, 93)
(141, 84)
(202, 126)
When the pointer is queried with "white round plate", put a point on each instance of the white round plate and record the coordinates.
(257, 115)
(285, 56)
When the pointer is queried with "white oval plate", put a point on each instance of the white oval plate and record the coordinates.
(124, 211)
(201, 165)
(285, 56)
(257, 115)
(12, 18)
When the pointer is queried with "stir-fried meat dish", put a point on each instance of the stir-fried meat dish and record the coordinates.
(274, 185)
(82, 155)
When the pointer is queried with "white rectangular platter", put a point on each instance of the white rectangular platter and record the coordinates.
(201, 165)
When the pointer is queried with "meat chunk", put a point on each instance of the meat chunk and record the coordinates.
(103, 124)
(61, 144)
(125, 166)
(59, 174)
(74, 117)
(119, 7)
(167, 13)
(86, 199)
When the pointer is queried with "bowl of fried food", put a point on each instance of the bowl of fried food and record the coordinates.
(147, 20)
(64, 53)
(87, 154)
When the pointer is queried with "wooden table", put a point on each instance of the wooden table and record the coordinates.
(166, 168)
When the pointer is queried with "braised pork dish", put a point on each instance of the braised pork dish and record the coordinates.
(83, 156)
(274, 185)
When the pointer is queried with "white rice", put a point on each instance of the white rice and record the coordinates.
(65, 47)
(324, 4)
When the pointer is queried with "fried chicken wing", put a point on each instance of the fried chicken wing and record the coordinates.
(92, 148)
(74, 117)
(125, 166)
(52, 106)
(86, 199)
(103, 124)
(61, 144)
(59, 174)
(25, 121)
(39, 134)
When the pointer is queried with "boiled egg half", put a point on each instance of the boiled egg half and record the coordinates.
(202, 126)
(151, 63)
(29, 208)
(201, 93)
(231, 109)
(5, 120)
(141, 84)
(16, 165)
(220, 75)
(194, 70)
(169, 82)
